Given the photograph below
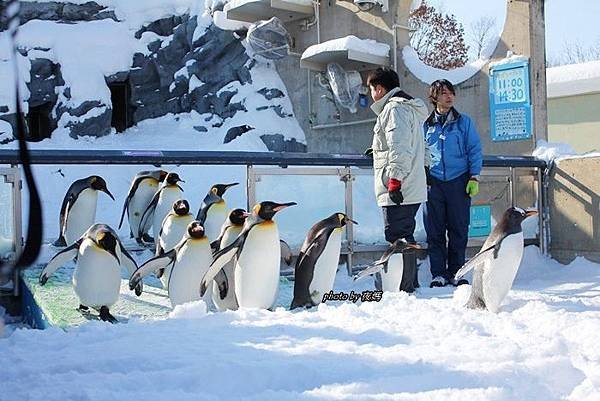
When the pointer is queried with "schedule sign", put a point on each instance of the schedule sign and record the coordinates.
(510, 104)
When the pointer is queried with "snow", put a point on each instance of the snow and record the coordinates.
(542, 346)
(573, 79)
(350, 42)
(220, 19)
(556, 151)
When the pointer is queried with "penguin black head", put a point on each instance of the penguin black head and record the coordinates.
(344, 219)
(514, 216)
(107, 241)
(181, 207)
(219, 189)
(162, 175)
(96, 182)
(173, 179)
(195, 229)
(267, 209)
(238, 216)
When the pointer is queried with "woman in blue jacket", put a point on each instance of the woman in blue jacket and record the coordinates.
(453, 179)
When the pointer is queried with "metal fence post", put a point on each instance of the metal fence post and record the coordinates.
(250, 187)
(348, 178)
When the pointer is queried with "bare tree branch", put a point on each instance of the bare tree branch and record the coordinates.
(480, 33)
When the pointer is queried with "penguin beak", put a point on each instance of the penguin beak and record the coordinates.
(107, 192)
(246, 214)
(282, 206)
(233, 184)
(414, 246)
(351, 221)
(529, 213)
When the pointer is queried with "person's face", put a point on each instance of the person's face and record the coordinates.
(445, 99)
(377, 92)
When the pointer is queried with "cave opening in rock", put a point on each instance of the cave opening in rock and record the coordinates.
(39, 122)
(122, 111)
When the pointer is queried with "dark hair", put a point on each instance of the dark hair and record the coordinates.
(385, 77)
(436, 88)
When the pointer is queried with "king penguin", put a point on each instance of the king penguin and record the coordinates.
(495, 266)
(161, 204)
(232, 227)
(258, 253)
(173, 229)
(189, 261)
(213, 211)
(99, 257)
(318, 260)
(390, 267)
(78, 209)
(142, 189)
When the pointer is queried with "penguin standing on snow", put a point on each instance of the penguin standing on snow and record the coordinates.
(495, 266)
(188, 261)
(161, 204)
(258, 253)
(173, 229)
(390, 267)
(78, 209)
(213, 211)
(318, 260)
(232, 227)
(97, 278)
(142, 189)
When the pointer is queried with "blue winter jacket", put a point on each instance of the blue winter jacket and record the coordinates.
(455, 146)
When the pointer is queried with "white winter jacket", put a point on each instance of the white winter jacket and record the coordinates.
(399, 149)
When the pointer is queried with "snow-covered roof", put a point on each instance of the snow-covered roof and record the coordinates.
(573, 79)
(349, 51)
(256, 10)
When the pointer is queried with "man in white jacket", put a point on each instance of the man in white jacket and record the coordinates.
(399, 158)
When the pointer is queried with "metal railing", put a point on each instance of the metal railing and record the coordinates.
(346, 167)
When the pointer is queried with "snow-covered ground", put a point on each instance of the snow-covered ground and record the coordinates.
(543, 345)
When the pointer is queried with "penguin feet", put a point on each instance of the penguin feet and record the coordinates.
(83, 308)
(106, 316)
(458, 282)
(147, 238)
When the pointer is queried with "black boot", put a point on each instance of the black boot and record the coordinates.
(409, 275)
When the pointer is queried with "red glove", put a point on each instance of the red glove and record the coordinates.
(394, 184)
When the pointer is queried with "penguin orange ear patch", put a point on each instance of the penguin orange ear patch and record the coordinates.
(214, 190)
(100, 236)
(256, 208)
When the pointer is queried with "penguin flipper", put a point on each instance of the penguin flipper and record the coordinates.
(130, 264)
(58, 260)
(148, 213)
(286, 252)
(223, 283)
(220, 260)
(152, 265)
(125, 207)
(371, 269)
(475, 261)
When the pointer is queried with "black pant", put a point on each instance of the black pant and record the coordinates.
(447, 212)
(399, 222)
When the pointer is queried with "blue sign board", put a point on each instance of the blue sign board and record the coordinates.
(480, 221)
(510, 102)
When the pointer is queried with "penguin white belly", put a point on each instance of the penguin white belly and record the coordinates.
(215, 217)
(229, 302)
(193, 260)
(138, 203)
(164, 206)
(390, 281)
(257, 269)
(81, 215)
(499, 273)
(97, 276)
(173, 232)
(326, 267)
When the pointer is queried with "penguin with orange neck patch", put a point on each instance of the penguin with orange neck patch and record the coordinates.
(258, 251)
